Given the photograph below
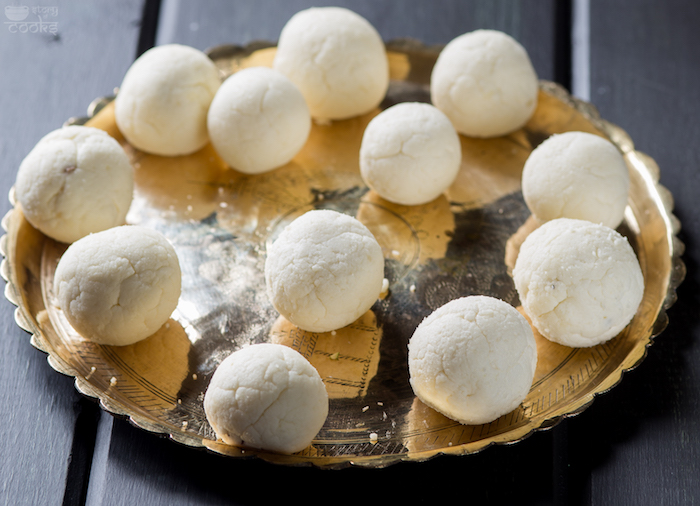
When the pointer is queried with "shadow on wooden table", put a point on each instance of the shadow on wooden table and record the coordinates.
(499, 475)
(652, 397)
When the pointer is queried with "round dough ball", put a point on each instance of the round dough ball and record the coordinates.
(579, 282)
(473, 359)
(258, 120)
(337, 59)
(266, 396)
(485, 83)
(324, 271)
(162, 104)
(410, 153)
(576, 175)
(76, 180)
(118, 286)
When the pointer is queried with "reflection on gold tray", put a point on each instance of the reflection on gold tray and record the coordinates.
(465, 242)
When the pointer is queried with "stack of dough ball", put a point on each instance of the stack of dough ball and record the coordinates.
(77, 180)
(324, 271)
(485, 83)
(118, 286)
(266, 396)
(258, 120)
(410, 153)
(579, 282)
(576, 175)
(162, 104)
(473, 359)
(337, 59)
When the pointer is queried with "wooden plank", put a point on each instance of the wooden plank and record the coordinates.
(133, 467)
(46, 79)
(640, 443)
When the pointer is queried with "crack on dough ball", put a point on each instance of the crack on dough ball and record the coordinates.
(337, 59)
(324, 271)
(258, 120)
(410, 153)
(162, 104)
(576, 175)
(579, 282)
(76, 180)
(473, 359)
(266, 396)
(485, 83)
(118, 286)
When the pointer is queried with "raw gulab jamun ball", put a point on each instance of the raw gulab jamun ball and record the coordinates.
(118, 286)
(324, 271)
(337, 59)
(579, 282)
(258, 120)
(162, 104)
(76, 180)
(473, 359)
(576, 175)
(410, 153)
(266, 396)
(485, 83)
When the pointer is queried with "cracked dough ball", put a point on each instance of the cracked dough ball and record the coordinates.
(266, 396)
(485, 83)
(579, 282)
(576, 175)
(410, 153)
(162, 104)
(118, 286)
(324, 271)
(473, 359)
(258, 120)
(77, 180)
(337, 59)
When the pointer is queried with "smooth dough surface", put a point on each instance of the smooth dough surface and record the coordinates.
(266, 396)
(336, 58)
(410, 153)
(576, 175)
(579, 282)
(118, 286)
(473, 359)
(324, 271)
(162, 104)
(485, 83)
(76, 180)
(258, 120)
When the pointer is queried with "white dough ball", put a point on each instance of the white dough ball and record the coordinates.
(579, 282)
(266, 396)
(410, 153)
(484, 82)
(337, 59)
(118, 286)
(576, 175)
(258, 120)
(76, 180)
(324, 271)
(473, 359)
(162, 104)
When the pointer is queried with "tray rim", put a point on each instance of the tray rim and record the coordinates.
(615, 133)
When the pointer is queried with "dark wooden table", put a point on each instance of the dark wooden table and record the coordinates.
(638, 61)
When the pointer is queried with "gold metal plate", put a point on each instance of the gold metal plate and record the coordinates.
(463, 243)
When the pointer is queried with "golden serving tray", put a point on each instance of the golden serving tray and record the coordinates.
(463, 243)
